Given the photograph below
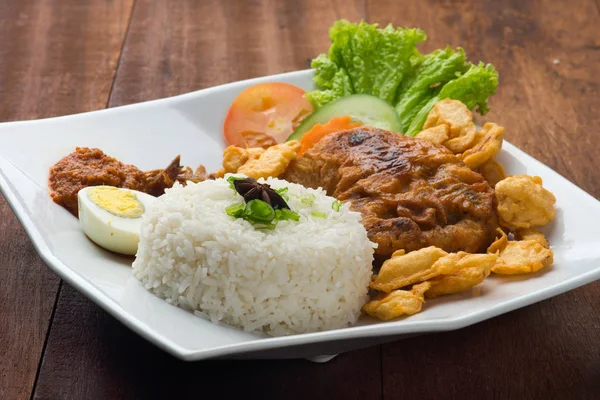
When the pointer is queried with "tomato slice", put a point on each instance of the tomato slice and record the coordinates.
(265, 114)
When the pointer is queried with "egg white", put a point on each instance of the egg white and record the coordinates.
(109, 231)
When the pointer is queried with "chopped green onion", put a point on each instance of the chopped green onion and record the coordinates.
(308, 199)
(286, 215)
(283, 193)
(318, 214)
(336, 205)
(259, 211)
(269, 227)
(235, 210)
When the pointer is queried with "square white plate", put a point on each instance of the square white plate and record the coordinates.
(150, 134)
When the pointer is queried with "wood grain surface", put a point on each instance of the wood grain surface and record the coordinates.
(215, 42)
(75, 56)
(56, 57)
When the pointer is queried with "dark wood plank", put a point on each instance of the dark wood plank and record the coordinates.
(549, 350)
(215, 42)
(27, 294)
(90, 355)
(56, 58)
(172, 48)
(550, 109)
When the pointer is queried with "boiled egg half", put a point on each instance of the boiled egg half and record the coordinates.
(111, 217)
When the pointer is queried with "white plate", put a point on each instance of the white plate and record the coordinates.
(150, 134)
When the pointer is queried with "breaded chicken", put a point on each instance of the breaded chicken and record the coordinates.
(411, 193)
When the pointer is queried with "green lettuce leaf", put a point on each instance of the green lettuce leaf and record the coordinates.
(473, 88)
(334, 81)
(435, 70)
(364, 59)
(386, 63)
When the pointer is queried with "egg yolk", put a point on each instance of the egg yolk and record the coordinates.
(118, 202)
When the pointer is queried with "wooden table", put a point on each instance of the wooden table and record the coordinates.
(60, 57)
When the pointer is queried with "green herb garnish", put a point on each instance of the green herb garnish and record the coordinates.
(259, 212)
(318, 214)
(287, 215)
(336, 205)
(269, 227)
(283, 192)
(308, 199)
(235, 210)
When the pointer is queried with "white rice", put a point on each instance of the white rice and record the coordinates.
(303, 276)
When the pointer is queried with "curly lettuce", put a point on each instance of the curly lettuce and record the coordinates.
(364, 59)
(433, 72)
(386, 63)
(473, 88)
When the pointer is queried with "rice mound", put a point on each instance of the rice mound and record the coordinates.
(303, 276)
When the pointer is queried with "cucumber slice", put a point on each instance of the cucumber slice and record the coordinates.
(367, 109)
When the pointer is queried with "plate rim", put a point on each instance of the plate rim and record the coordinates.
(264, 344)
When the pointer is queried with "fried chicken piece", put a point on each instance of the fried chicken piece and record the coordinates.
(474, 269)
(392, 305)
(523, 202)
(532, 234)
(452, 113)
(493, 172)
(500, 243)
(405, 269)
(463, 142)
(529, 253)
(234, 157)
(411, 193)
(462, 131)
(272, 162)
(437, 134)
(489, 143)
(523, 257)
(447, 273)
